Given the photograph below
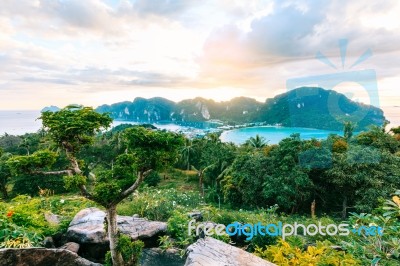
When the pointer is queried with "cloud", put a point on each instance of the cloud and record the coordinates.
(211, 48)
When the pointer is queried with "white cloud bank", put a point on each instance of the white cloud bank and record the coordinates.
(94, 52)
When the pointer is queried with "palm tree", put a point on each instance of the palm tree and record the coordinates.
(186, 151)
(256, 142)
(213, 137)
(348, 130)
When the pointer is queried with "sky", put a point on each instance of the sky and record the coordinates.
(93, 52)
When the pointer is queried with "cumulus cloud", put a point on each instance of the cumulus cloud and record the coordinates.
(185, 47)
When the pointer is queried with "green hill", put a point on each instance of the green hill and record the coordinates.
(303, 107)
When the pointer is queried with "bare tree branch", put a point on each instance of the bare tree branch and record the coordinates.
(68, 172)
(132, 188)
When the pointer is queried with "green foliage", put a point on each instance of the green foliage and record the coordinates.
(256, 142)
(153, 179)
(130, 251)
(74, 181)
(30, 184)
(165, 242)
(379, 249)
(14, 236)
(37, 161)
(152, 149)
(23, 223)
(158, 204)
(74, 126)
(5, 173)
(178, 225)
(292, 255)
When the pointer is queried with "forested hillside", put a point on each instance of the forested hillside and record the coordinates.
(302, 107)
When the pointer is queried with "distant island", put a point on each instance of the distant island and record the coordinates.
(308, 107)
(51, 108)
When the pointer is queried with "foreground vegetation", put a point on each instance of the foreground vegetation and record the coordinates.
(71, 165)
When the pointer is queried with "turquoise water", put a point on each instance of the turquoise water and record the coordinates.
(20, 122)
(273, 134)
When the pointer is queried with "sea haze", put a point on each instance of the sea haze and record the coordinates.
(19, 122)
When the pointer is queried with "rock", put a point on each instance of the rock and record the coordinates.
(48, 242)
(198, 216)
(88, 227)
(157, 256)
(135, 216)
(210, 251)
(71, 246)
(142, 229)
(52, 218)
(41, 257)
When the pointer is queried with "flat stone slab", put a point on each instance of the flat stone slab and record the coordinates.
(210, 251)
(87, 227)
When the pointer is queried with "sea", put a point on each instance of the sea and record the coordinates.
(21, 122)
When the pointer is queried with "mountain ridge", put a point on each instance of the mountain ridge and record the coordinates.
(308, 107)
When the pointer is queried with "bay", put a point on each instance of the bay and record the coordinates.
(21, 122)
(273, 134)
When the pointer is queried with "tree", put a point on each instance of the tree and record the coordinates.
(242, 182)
(186, 152)
(256, 142)
(5, 173)
(378, 138)
(288, 184)
(361, 175)
(210, 158)
(146, 151)
(74, 127)
(348, 130)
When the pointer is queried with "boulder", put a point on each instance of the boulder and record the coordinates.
(157, 256)
(87, 227)
(71, 246)
(48, 242)
(210, 251)
(41, 257)
(51, 218)
(142, 229)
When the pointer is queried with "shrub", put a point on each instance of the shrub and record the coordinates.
(152, 179)
(321, 254)
(130, 251)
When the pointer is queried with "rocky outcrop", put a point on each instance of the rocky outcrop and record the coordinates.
(157, 256)
(71, 246)
(210, 251)
(87, 227)
(42, 257)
